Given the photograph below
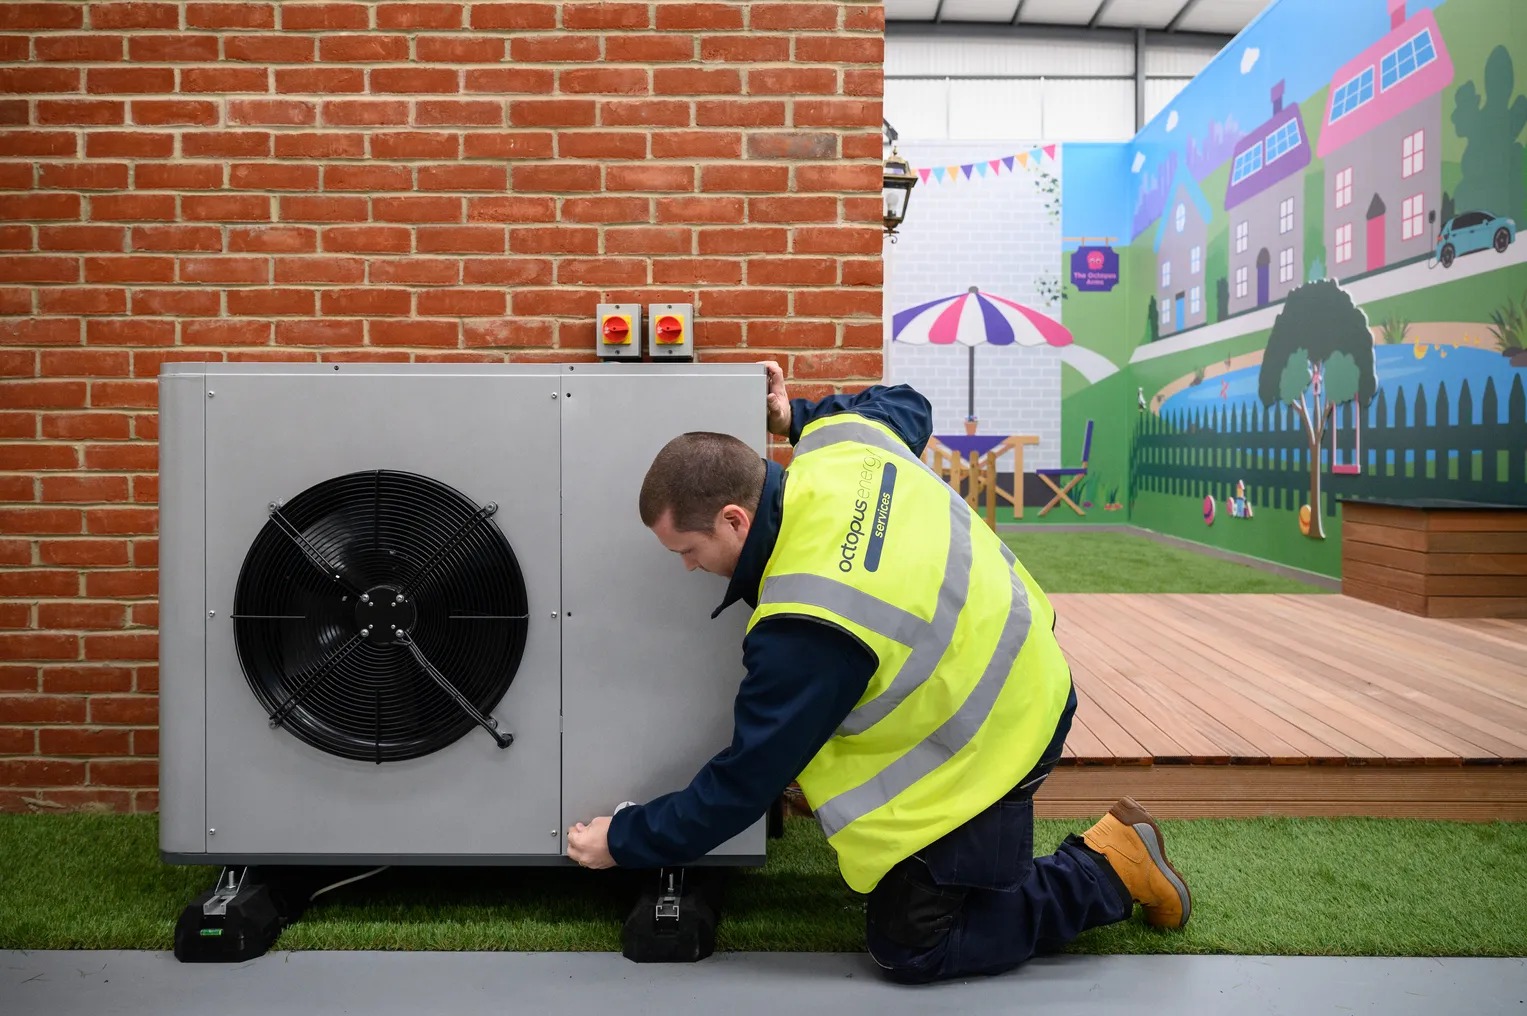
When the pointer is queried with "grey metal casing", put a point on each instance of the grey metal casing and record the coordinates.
(641, 678)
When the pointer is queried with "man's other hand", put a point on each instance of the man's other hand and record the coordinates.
(589, 845)
(778, 399)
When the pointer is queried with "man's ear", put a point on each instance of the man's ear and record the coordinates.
(734, 517)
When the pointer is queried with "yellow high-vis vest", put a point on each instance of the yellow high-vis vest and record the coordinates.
(970, 682)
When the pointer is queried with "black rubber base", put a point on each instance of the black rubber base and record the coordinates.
(687, 938)
(252, 922)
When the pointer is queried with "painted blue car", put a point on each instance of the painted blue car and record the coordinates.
(1468, 232)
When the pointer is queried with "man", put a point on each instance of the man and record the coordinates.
(902, 665)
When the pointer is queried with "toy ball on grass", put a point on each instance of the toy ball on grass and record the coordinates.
(1209, 510)
(1304, 520)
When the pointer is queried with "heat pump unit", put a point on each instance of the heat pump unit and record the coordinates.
(409, 613)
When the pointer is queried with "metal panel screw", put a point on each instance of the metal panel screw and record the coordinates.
(569, 394)
(211, 394)
(211, 613)
(553, 394)
(211, 832)
(554, 833)
(554, 615)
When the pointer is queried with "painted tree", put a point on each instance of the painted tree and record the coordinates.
(1320, 354)
(1152, 323)
(1491, 165)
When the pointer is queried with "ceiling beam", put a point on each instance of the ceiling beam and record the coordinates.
(1097, 15)
(1027, 30)
(1176, 22)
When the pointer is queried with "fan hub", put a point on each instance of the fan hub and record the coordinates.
(383, 612)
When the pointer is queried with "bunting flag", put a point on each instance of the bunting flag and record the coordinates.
(990, 167)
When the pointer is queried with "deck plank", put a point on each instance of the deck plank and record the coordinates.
(1436, 635)
(1495, 686)
(1219, 705)
(1318, 743)
(1213, 679)
(1119, 743)
(1497, 628)
(1163, 694)
(1352, 669)
(1448, 704)
(1288, 679)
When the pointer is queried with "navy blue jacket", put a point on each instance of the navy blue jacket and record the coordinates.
(802, 679)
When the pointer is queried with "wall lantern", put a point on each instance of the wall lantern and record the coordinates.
(896, 185)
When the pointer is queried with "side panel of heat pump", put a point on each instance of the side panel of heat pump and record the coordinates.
(182, 615)
(648, 679)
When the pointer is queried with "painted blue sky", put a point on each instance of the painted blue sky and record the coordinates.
(1278, 46)
(1286, 49)
(1096, 201)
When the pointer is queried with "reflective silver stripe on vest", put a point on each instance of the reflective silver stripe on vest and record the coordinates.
(860, 607)
(929, 640)
(941, 745)
(859, 433)
(934, 641)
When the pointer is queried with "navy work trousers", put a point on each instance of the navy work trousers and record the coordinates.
(977, 901)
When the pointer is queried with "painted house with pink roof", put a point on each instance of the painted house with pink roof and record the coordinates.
(1381, 141)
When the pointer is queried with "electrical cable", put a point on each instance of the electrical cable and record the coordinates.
(353, 878)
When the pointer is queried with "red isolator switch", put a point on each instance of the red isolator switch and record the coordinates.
(670, 330)
(617, 330)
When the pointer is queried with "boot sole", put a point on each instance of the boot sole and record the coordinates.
(1150, 834)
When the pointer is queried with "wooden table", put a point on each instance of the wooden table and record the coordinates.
(981, 471)
(1436, 558)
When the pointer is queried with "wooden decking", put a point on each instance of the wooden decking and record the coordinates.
(1290, 705)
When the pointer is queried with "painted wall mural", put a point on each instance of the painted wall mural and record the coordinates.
(1300, 283)
(1321, 294)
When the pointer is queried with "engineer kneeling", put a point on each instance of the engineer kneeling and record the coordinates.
(902, 664)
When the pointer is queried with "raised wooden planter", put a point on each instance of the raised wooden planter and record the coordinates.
(1436, 558)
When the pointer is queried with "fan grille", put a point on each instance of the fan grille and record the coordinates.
(299, 628)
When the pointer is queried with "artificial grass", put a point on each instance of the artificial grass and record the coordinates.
(1261, 886)
(1127, 563)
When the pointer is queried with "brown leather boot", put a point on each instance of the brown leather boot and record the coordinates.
(1131, 841)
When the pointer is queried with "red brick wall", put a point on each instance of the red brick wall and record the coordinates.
(367, 181)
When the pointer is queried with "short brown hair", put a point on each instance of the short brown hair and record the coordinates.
(698, 474)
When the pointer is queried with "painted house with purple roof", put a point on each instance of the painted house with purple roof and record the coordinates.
(1382, 146)
(1264, 205)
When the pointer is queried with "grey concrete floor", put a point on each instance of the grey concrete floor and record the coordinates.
(745, 984)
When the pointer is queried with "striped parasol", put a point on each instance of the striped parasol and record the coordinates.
(975, 318)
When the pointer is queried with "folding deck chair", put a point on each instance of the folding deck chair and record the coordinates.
(1049, 476)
